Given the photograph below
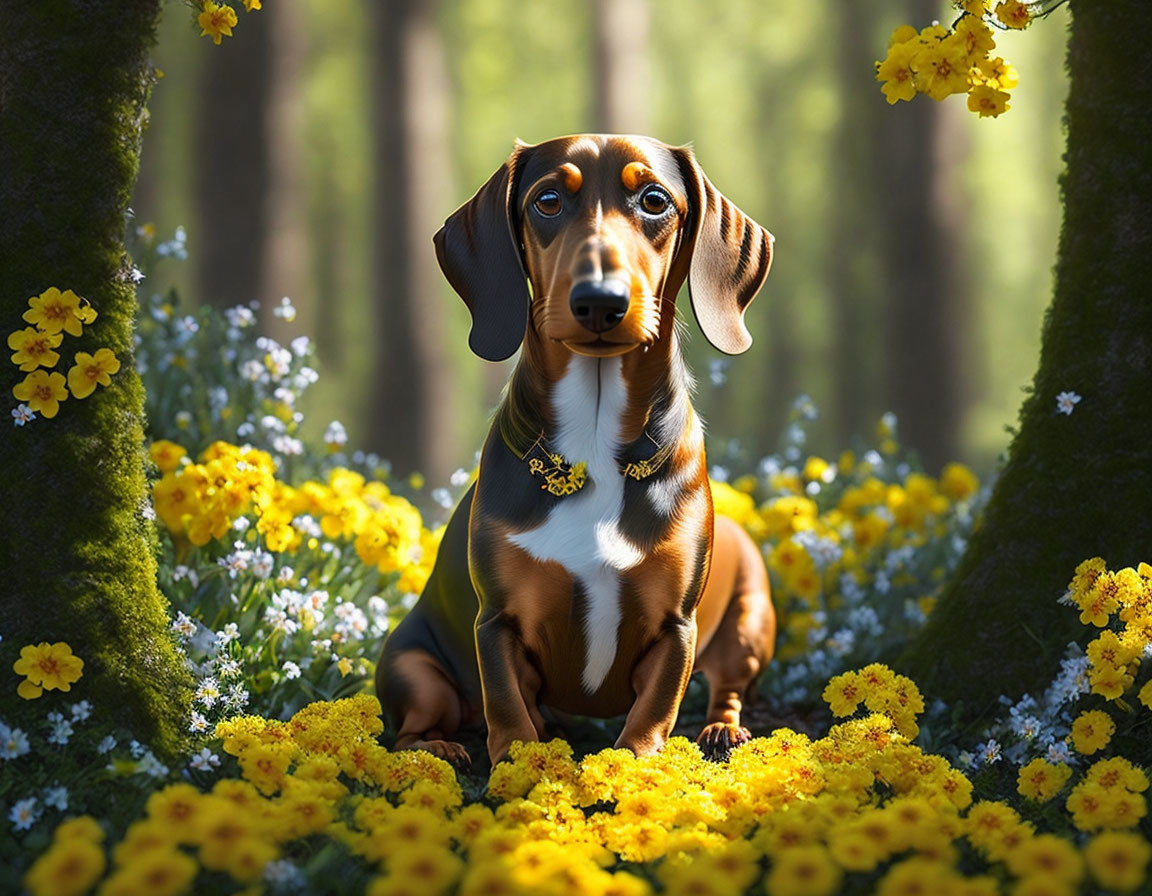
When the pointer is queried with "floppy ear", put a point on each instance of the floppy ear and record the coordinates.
(730, 257)
(480, 256)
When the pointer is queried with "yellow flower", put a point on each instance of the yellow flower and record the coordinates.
(958, 482)
(973, 7)
(158, 872)
(941, 67)
(425, 868)
(166, 455)
(995, 73)
(84, 827)
(68, 868)
(250, 5)
(988, 102)
(47, 667)
(896, 71)
(42, 391)
(176, 807)
(216, 21)
(1145, 694)
(53, 311)
(1118, 860)
(1014, 14)
(803, 871)
(1049, 856)
(1040, 780)
(843, 694)
(92, 370)
(34, 348)
(1092, 731)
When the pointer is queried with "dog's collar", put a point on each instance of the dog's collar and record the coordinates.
(562, 477)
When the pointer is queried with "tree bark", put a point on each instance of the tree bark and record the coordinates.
(620, 66)
(412, 417)
(230, 167)
(1079, 485)
(77, 552)
(917, 201)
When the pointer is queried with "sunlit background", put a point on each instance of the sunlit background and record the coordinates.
(315, 152)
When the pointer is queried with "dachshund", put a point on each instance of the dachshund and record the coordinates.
(584, 569)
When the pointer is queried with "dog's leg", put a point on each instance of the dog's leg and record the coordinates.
(659, 680)
(742, 644)
(425, 705)
(511, 684)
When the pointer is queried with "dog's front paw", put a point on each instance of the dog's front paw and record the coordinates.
(448, 750)
(719, 739)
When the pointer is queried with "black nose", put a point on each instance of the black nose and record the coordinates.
(599, 305)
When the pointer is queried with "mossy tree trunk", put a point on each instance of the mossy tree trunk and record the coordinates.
(1080, 485)
(77, 552)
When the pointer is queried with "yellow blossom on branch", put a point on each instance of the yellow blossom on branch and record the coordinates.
(47, 667)
(92, 370)
(1014, 14)
(42, 391)
(217, 21)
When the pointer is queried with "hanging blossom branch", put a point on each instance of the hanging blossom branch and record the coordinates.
(942, 61)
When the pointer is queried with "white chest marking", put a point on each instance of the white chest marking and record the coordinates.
(582, 531)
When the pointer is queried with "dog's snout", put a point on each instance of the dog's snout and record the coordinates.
(599, 305)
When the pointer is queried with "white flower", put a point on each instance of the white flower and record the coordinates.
(290, 670)
(229, 667)
(208, 692)
(185, 572)
(22, 414)
(261, 563)
(13, 742)
(301, 346)
(335, 436)
(1059, 751)
(198, 723)
(56, 798)
(81, 711)
(24, 814)
(240, 316)
(285, 310)
(228, 634)
(184, 625)
(204, 761)
(107, 745)
(1066, 402)
(237, 697)
(151, 766)
(61, 729)
(988, 753)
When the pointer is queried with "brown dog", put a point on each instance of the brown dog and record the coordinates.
(583, 570)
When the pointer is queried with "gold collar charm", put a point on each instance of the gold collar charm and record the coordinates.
(561, 478)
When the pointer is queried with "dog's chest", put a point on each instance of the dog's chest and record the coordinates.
(582, 532)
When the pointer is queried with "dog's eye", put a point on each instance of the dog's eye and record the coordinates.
(655, 201)
(548, 203)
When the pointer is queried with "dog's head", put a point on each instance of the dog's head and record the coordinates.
(595, 235)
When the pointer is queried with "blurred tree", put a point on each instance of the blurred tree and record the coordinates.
(410, 420)
(231, 170)
(78, 551)
(1074, 485)
(285, 265)
(919, 221)
(856, 284)
(620, 66)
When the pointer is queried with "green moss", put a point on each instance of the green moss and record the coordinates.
(1080, 485)
(78, 554)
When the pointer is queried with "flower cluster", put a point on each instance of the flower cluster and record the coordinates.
(316, 799)
(941, 61)
(216, 20)
(1120, 603)
(858, 548)
(53, 314)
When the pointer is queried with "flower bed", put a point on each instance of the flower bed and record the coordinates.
(287, 563)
